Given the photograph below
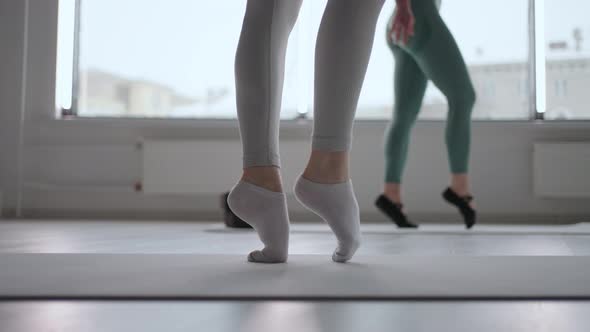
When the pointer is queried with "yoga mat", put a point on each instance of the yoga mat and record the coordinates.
(194, 276)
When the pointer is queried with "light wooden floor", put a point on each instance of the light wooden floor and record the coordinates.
(171, 237)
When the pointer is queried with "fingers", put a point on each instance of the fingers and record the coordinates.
(402, 29)
(409, 31)
(402, 35)
(396, 31)
(392, 31)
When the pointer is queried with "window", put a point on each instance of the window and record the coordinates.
(160, 59)
(174, 59)
(496, 55)
(567, 55)
(166, 59)
(560, 88)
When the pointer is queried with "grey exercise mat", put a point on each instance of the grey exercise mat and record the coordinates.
(193, 276)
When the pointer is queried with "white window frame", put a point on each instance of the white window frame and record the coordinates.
(536, 69)
(536, 93)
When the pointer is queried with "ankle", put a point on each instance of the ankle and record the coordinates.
(393, 192)
(460, 190)
(267, 177)
(460, 184)
(327, 167)
(394, 198)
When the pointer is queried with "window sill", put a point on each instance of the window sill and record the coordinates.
(169, 122)
(297, 124)
(79, 130)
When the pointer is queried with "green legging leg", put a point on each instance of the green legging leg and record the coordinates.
(433, 54)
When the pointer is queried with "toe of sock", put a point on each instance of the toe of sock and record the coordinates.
(259, 256)
(342, 256)
(338, 258)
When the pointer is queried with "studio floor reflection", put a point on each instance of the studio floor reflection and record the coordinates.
(294, 316)
(300, 316)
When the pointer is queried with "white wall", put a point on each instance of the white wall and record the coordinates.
(11, 38)
(86, 168)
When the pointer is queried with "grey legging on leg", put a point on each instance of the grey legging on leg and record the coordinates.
(343, 49)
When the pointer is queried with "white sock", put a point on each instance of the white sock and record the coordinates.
(266, 212)
(337, 205)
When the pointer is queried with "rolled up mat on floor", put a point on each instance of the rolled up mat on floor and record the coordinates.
(229, 218)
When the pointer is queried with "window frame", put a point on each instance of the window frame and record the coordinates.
(535, 74)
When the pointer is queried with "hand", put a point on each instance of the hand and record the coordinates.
(403, 22)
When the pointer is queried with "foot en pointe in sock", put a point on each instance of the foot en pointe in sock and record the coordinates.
(266, 212)
(337, 205)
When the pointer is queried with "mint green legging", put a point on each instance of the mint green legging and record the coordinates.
(431, 53)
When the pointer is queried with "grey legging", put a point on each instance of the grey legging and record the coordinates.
(343, 49)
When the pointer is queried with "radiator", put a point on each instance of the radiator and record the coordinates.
(562, 170)
(205, 166)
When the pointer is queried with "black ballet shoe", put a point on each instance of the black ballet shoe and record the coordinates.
(394, 212)
(229, 218)
(462, 203)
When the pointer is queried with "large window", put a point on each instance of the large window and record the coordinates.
(493, 38)
(567, 67)
(497, 56)
(174, 59)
